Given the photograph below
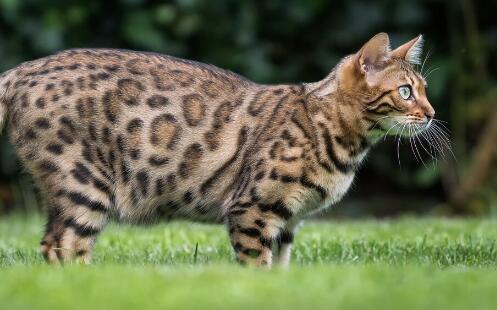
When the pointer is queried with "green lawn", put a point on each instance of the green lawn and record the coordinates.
(400, 264)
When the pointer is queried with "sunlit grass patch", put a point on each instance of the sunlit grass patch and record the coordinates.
(407, 263)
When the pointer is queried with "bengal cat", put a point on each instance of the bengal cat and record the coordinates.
(136, 136)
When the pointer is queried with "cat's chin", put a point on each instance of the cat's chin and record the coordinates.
(412, 129)
(405, 129)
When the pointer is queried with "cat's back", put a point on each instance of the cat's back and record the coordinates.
(72, 72)
(137, 63)
(124, 90)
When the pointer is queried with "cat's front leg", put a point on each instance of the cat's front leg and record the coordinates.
(284, 244)
(253, 227)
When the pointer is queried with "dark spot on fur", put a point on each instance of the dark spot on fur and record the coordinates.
(55, 97)
(165, 130)
(42, 123)
(73, 67)
(66, 121)
(106, 135)
(55, 148)
(109, 109)
(30, 134)
(48, 166)
(288, 179)
(121, 143)
(188, 197)
(86, 151)
(134, 125)
(157, 101)
(194, 109)
(101, 186)
(135, 154)
(192, 156)
(65, 137)
(128, 91)
(112, 68)
(260, 223)
(125, 171)
(171, 182)
(157, 160)
(143, 181)
(81, 173)
(92, 130)
(160, 186)
(251, 232)
(40, 103)
(67, 87)
(80, 82)
(82, 200)
(103, 75)
(259, 176)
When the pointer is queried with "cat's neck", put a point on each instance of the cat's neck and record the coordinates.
(342, 134)
(324, 87)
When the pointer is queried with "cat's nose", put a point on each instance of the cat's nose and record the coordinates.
(429, 111)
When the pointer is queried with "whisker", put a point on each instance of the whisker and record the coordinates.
(412, 138)
(436, 135)
(430, 72)
(436, 141)
(416, 128)
(378, 121)
(398, 143)
(428, 69)
(386, 134)
(443, 134)
(424, 61)
(440, 121)
(445, 139)
(432, 150)
(443, 126)
(422, 145)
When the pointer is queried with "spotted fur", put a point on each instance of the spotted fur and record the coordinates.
(120, 133)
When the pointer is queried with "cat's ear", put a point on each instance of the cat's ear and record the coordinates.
(410, 51)
(374, 54)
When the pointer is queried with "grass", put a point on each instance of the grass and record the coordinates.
(406, 263)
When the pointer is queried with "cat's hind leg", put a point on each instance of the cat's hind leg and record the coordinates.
(73, 225)
(79, 199)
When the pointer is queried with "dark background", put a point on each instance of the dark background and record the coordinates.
(299, 41)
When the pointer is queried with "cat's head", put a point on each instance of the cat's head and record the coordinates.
(391, 92)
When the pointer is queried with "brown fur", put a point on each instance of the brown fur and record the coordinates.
(108, 132)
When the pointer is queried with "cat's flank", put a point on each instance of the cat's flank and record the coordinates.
(131, 135)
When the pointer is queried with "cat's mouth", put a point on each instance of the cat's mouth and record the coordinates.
(405, 126)
(416, 127)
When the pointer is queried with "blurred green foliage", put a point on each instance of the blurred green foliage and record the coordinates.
(288, 41)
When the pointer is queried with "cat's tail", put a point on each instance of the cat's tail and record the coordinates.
(5, 94)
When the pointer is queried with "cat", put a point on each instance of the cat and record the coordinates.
(136, 136)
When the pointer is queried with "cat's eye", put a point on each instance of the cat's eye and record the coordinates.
(405, 92)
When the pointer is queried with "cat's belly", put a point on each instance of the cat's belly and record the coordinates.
(178, 204)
